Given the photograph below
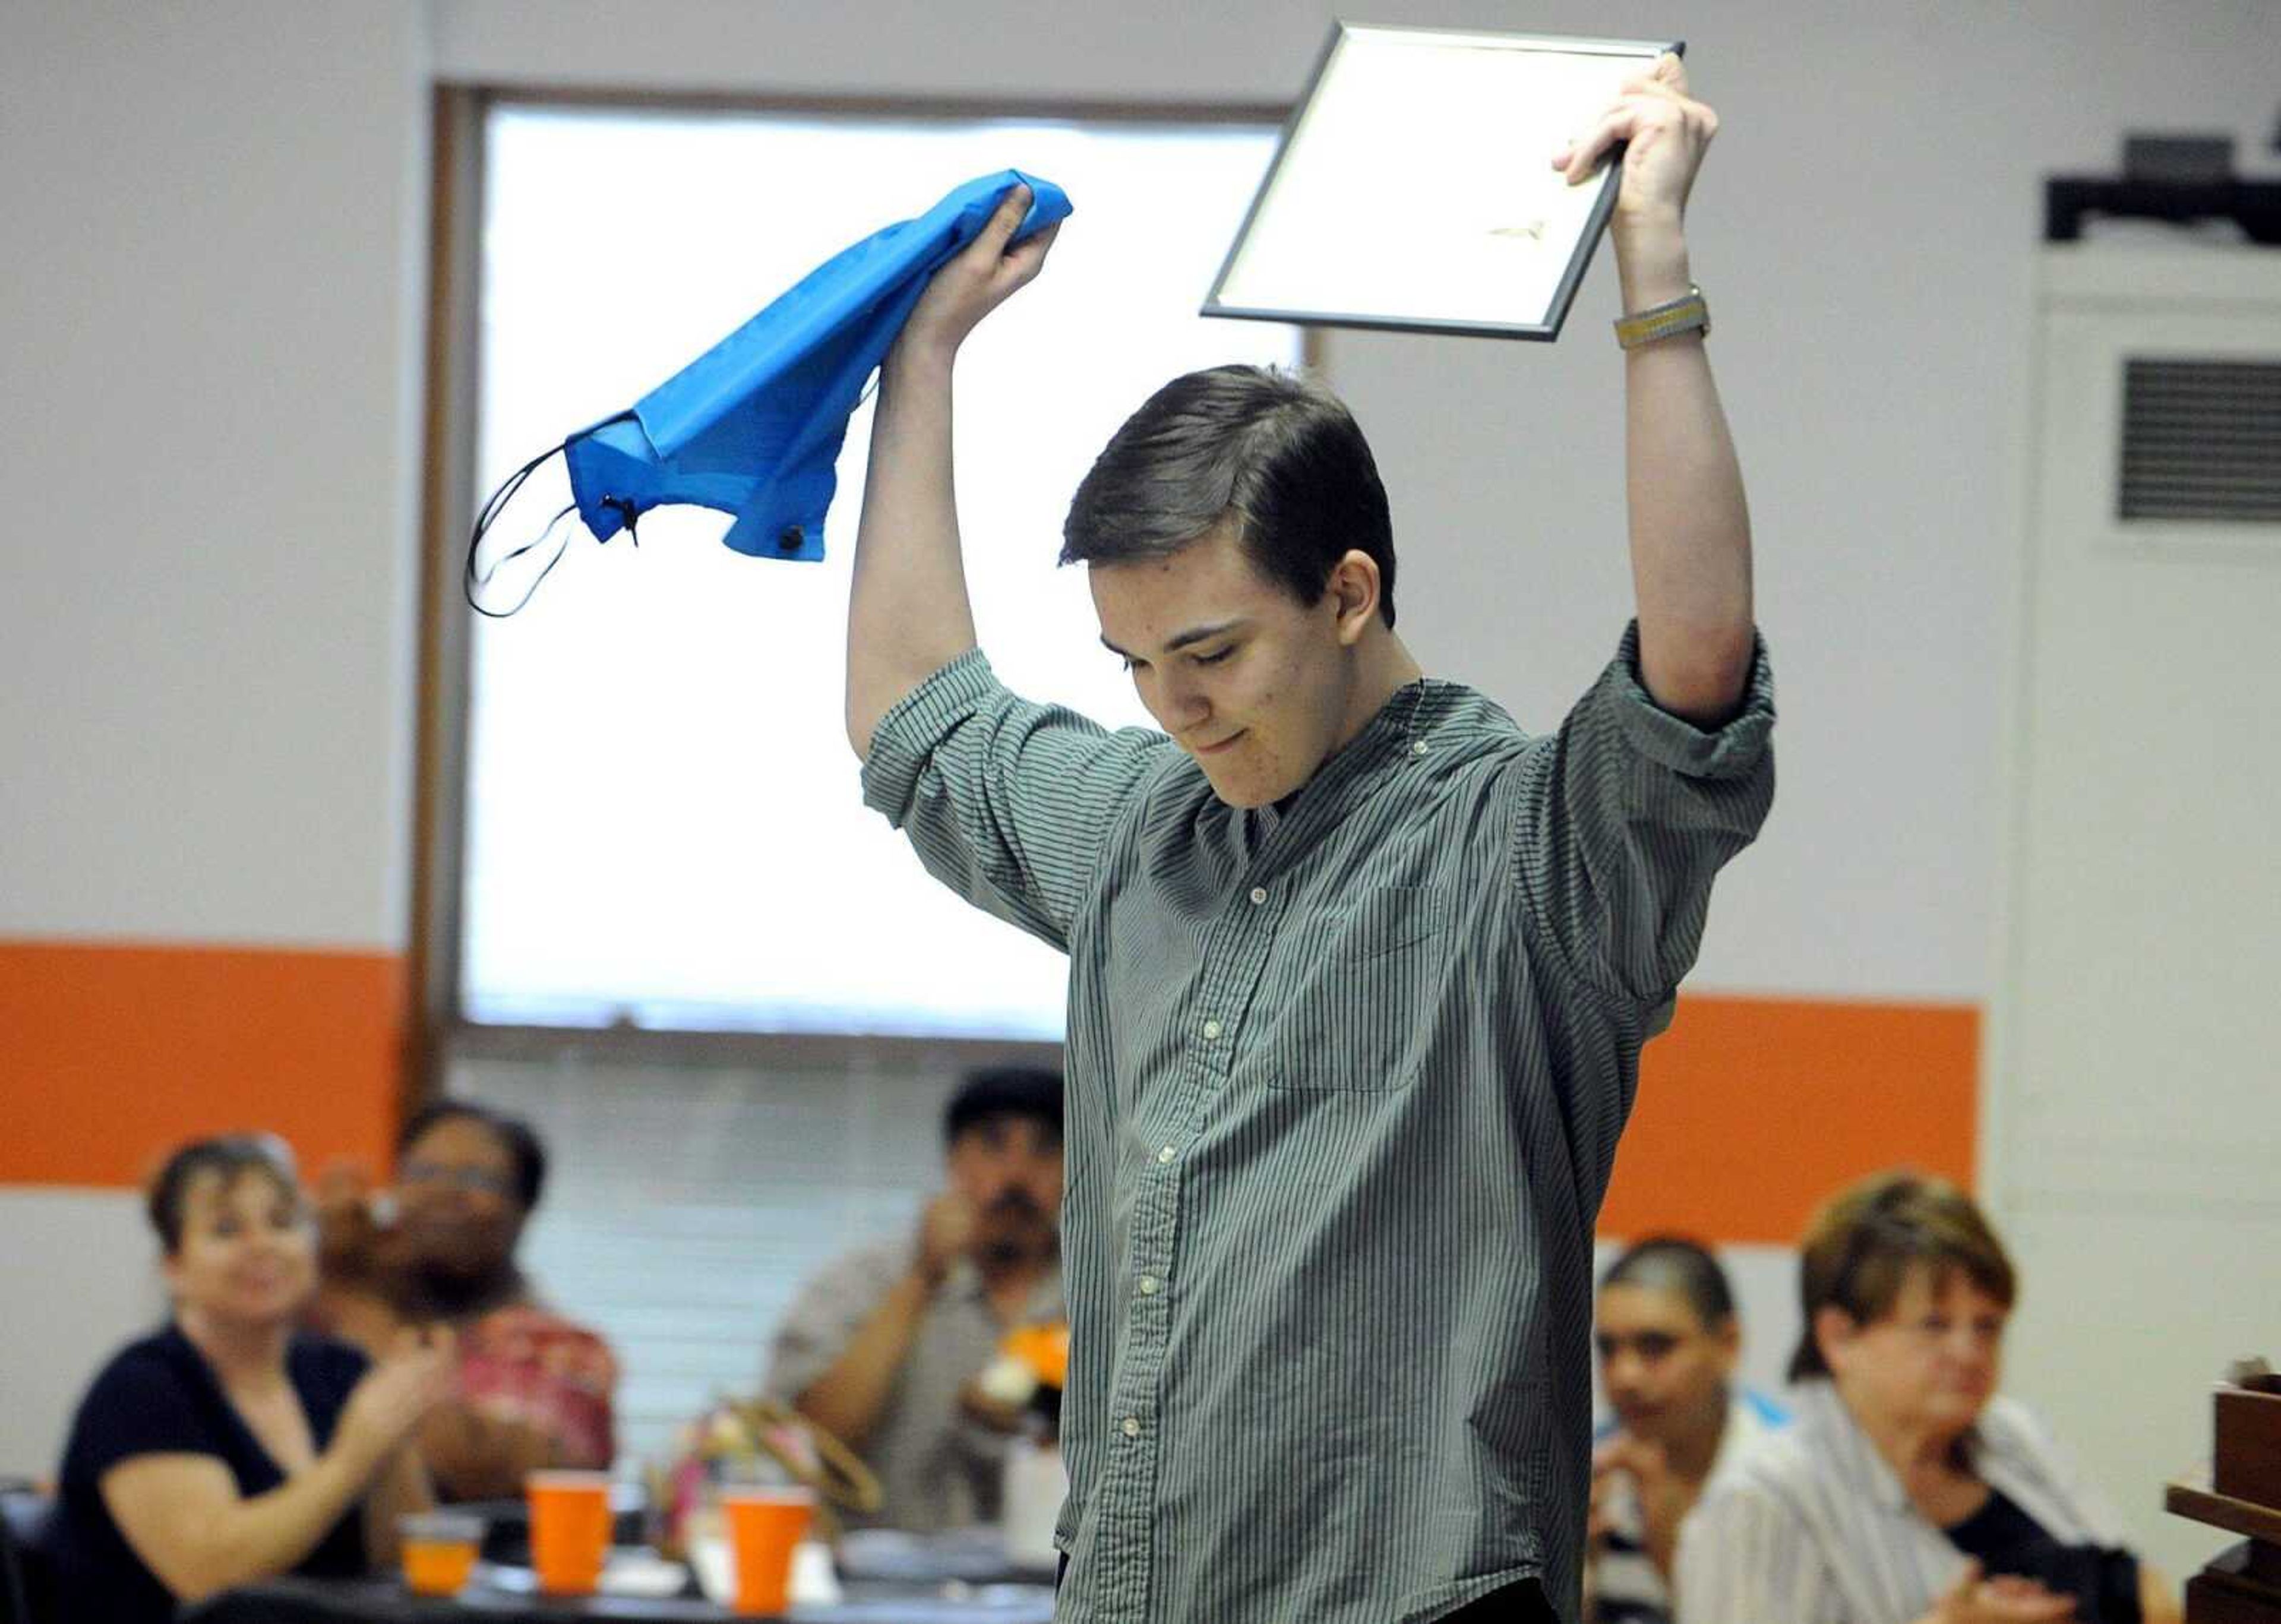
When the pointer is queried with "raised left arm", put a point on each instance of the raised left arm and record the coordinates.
(1691, 526)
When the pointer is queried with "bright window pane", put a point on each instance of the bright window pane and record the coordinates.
(664, 821)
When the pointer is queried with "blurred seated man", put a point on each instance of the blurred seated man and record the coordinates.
(231, 1445)
(1667, 1339)
(535, 1388)
(1909, 1489)
(881, 1345)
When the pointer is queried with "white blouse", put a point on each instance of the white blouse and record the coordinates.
(1814, 1527)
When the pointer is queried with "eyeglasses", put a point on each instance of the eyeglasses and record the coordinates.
(473, 1180)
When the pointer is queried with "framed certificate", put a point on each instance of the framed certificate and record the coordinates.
(1414, 187)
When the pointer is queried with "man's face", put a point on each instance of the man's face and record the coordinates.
(1664, 1371)
(1010, 1169)
(1252, 683)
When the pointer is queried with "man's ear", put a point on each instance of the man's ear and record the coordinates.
(1353, 592)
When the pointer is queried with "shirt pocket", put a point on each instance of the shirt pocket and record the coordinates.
(1384, 923)
(1368, 978)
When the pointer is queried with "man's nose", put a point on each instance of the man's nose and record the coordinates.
(1182, 701)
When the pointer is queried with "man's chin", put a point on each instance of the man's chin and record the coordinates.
(1241, 800)
(1243, 792)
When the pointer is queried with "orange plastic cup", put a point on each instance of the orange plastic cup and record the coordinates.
(764, 1527)
(439, 1549)
(569, 1530)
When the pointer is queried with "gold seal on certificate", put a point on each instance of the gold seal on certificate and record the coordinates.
(1414, 189)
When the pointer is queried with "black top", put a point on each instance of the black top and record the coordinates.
(2006, 1540)
(159, 1397)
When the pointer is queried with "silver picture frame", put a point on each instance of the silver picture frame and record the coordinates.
(1413, 188)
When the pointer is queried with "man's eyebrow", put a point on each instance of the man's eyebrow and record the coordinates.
(1194, 634)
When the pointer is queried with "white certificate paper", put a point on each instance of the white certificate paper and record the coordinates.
(1415, 188)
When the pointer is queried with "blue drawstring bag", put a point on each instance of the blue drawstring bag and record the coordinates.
(753, 427)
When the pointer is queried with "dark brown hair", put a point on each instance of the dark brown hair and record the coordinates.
(230, 1156)
(1859, 1248)
(992, 1092)
(1279, 455)
(1682, 1267)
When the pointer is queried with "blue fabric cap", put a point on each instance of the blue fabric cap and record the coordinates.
(753, 426)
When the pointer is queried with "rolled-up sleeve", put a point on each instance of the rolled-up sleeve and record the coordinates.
(1008, 802)
(1623, 818)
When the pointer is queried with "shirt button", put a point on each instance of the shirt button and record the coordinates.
(1259, 895)
(1148, 1283)
(1166, 1154)
(1211, 1029)
(1419, 748)
(1130, 1427)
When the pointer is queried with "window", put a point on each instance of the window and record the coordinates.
(663, 822)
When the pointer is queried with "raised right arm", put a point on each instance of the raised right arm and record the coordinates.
(907, 615)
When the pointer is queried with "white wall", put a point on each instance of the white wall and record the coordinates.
(78, 1271)
(209, 317)
(211, 310)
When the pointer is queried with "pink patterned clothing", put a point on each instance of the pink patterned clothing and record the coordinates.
(529, 1365)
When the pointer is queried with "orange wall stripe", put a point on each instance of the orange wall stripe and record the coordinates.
(112, 1056)
(1751, 1111)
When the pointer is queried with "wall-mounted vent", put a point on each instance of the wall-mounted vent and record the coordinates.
(2201, 440)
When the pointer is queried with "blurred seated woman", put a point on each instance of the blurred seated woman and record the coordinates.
(534, 1387)
(1668, 1340)
(232, 1447)
(1906, 1491)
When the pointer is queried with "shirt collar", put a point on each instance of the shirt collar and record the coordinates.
(1853, 1455)
(1398, 737)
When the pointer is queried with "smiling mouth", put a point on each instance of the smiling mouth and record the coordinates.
(1216, 749)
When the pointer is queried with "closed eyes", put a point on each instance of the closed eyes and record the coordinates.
(1213, 658)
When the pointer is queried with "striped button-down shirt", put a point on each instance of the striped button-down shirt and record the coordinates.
(1813, 1526)
(1345, 1081)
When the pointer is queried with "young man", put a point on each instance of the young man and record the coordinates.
(879, 1348)
(1359, 971)
(1668, 1341)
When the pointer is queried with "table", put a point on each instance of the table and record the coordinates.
(384, 1601)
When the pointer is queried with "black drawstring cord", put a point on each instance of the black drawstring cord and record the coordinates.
(474, 580)
(562, 547)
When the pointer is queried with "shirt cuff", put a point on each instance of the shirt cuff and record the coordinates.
(906, 737)
(1733, 750)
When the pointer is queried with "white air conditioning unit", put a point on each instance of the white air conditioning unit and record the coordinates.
(2159, 380)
